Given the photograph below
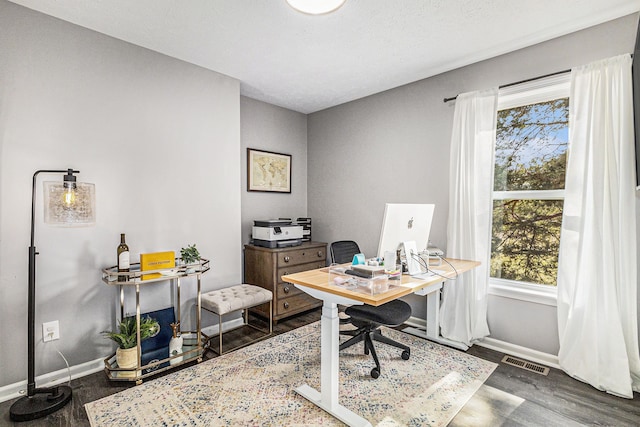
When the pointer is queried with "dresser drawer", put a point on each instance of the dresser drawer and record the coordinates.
(295, 304)
(283, 271)
(266, 266)
(286, 290)
(302, 256)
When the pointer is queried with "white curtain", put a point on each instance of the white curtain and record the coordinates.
(597, 286)
(463, 313)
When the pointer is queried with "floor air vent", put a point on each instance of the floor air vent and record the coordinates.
(524, 364)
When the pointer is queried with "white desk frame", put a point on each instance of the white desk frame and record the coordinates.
(327, 397)
(432, 332)
(316, 286)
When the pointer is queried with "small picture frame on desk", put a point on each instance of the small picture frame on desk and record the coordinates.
(268, 171)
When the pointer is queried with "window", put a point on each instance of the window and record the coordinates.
(529, 174)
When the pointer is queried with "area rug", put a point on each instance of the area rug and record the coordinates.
(254, 386)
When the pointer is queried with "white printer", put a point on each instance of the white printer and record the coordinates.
(276, 233)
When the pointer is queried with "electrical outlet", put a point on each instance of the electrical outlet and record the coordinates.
(50, 331)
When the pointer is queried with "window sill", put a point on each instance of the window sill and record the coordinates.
(523, 292)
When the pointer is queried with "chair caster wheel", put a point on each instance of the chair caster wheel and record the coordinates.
(405, 355)
(375, 373)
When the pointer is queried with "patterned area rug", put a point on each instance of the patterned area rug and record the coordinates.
(254, 386)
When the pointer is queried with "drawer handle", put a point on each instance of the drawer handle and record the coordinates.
(320, 254)
(287, 259)
(286, 289)
(286, 305)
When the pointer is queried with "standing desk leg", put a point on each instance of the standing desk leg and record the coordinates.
(327, 399)
(330, 364)
(433, 320)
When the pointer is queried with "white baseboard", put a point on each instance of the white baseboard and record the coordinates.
(11, 391)
(226, 326)
(416, 322)
(521, 352)
(503, 347)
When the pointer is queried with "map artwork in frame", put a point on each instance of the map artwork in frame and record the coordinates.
(267, 171)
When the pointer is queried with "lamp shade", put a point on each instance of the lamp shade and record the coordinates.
(70, 205)
(315, 7)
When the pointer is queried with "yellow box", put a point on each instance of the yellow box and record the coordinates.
(156, 261)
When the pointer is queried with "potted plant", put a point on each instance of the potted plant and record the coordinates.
(126, 338)
(190, 255)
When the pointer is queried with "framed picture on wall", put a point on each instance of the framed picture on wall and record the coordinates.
(267, 171)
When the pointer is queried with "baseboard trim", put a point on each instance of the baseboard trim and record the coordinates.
(416, 322)
(226, 326)
(503, 347)
(11, 391)
(519, 351)
(61, 376)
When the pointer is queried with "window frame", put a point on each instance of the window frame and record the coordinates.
(536, 91)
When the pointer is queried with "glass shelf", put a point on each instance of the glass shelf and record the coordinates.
(191, 351)
(111, 276)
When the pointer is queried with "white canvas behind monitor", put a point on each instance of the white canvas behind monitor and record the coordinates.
(404, 222)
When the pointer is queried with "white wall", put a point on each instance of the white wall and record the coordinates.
(161, 141)
(276, 129)
(394, 147)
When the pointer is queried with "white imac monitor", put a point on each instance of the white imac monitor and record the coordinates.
(403, 224)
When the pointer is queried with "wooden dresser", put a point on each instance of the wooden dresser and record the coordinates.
(264, 267)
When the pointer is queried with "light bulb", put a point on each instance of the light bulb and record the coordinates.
(69, 193)
(69, 196)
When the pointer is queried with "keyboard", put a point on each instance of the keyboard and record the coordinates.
(424, 276)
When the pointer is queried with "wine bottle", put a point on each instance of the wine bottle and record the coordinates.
(123, 259)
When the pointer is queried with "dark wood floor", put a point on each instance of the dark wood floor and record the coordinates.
(510, 397)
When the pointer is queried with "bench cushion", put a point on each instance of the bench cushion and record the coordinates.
(223, 301)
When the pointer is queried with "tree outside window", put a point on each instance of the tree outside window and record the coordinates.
(529, 176)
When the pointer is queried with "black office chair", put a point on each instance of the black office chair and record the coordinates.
(343, 251)
(367, 318)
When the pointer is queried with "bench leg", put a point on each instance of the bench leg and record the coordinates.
(270, 317)
(245, 317)
(220, 333)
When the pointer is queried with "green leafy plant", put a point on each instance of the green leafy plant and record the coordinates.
(126, 336)
(190, 254)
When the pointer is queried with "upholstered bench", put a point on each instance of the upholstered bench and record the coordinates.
(234, 298)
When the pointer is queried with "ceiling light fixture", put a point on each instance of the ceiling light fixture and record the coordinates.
(315, 7)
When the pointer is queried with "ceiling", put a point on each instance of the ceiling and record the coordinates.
(309, 63)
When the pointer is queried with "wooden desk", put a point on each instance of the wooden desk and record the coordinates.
(316, 284)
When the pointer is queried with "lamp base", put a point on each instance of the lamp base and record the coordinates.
(40, 404)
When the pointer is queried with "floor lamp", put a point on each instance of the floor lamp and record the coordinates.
(67, 203)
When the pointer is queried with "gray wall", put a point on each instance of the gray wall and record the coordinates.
(270, 128)
(394, 147)
(161, 141)
(165, 143)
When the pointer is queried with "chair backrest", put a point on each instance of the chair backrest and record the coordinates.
(343, 251)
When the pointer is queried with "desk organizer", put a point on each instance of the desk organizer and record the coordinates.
(371, 286)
